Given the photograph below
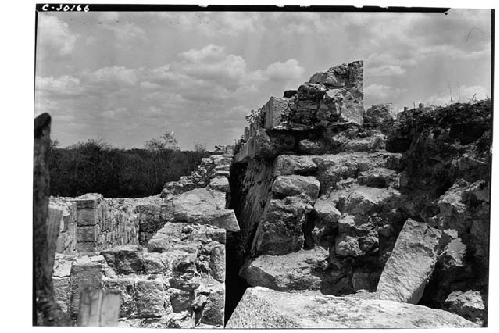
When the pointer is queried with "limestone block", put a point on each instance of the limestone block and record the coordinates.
(220, 184)
(155, 263)
(280, 229)
(265, 308)
(209, 304)
(126, 286)
(203, 207)
(150, 298)
(411, 263)
(468, 304)
(295, 185)
(125, 259)
(294, 164)
(301, 270)
(62, 292)
(274, 110)
(181, 300)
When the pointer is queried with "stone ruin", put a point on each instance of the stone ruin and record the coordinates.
(324, 214)
(166, 256)
(333, 199)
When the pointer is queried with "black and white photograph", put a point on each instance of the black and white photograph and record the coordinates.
(262, 166)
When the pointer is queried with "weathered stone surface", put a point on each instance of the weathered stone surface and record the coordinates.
(125, 259)
(180, 299)
(361, 200)
(346, 245)
(201, 206)
(83, 275)
(126, 286)
(468, 304)
(280, 230)
(378, 177)
(209, 304)
(220, 184)
(62, 265)
(150, 298)
(275, 110)
(265, 308)
(294, 185)
(301, 270)
(310, 147)
(411, 263)
(294, 164)
(182, 236)
(326, 211)
(62, 292)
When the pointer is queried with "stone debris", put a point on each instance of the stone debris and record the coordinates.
(212, 172)
(468, 304)
(302, 270)
(266, 308)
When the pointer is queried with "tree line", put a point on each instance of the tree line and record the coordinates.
(96, 167)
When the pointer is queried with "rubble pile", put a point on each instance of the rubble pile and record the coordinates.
(212, 172)
(338, 200)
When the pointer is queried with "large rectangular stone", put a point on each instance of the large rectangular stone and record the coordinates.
(62, 292)
(411, 263)
(150, 297)
(274, 110)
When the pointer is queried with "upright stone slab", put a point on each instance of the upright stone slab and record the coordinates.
(84, 275)
(411, 263)
(275, 110)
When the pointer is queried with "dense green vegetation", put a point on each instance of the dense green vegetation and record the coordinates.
(94, 166)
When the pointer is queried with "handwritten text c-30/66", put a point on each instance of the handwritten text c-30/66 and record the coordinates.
(65, 8)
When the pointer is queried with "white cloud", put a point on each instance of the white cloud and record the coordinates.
(63, 85)
(284, 71)
(114, 75)
(55, 34)
(149, 85)
(381, 92)
(385, 70)
(212, 63)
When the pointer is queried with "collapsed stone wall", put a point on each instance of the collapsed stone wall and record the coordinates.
(165, 256)
(341, 200)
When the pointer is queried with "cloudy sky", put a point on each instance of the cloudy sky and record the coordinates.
(126, 77)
